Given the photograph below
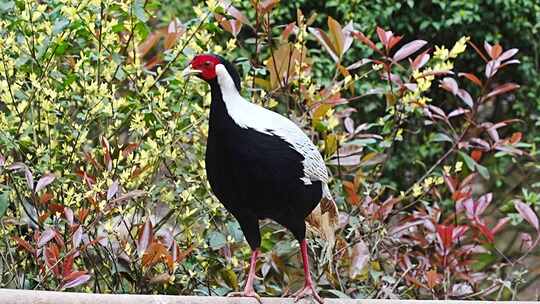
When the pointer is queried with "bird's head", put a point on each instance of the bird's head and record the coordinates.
(210, 67)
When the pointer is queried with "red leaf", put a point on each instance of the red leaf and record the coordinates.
(51, 254)
(516, 137)
(476, 155)
(514, 61)
(45, 198)
(433, 278)
(24, 244)
(68, 214)
(445, 234)
(67, 265)
(500, 224)
(177, 254)
(420, 60)
(465, 97)
(267, 5)
(492, 67)
(508, 54)
(495, 51)
(79, 280)
(130, 194)
(231, 26)
(526, 241)
(472, 78)
(352, 195)
(382, 36)
(232, 11)
(77, 237)
(27, 173)
(360, 258)
(106, 152)
(175, 29)
(408, 49)
(504, 88)
(451, 183)
(113, 189)
(349, 125)
(393, 41)
(360, 36)
(450, 85)
(437, 110)
(129, 149)
(46, 236)
(153, 254)
(290, 28)
(325, 42)
(487, 47)
(485, 231)
(44, 181)
(457, 112)
(527, 214)
(145, 237)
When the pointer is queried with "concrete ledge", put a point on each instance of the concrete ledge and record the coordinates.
(13, 296)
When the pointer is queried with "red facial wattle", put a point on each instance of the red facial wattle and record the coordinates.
(206, 64)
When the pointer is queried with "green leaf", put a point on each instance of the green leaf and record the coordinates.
(235, 231)
(474, 166)
(138, 10)
(441, 137)
(338, 293)
(230, 278)
(483, 260)
(483, 171)
(6, 6)
(217, 240)
(60, 25)
(363, 141)
(4, 202)
(471, 164)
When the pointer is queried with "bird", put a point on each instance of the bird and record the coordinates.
(261, 165)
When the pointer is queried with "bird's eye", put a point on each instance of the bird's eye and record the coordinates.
(207, 63)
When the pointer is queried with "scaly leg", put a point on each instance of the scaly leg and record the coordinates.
(309, 288)
(249, 291)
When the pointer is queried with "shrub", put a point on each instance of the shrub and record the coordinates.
(102, 144)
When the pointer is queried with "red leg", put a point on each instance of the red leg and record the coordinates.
(249, 291)
(309, 287)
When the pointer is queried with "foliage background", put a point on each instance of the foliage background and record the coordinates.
(102, 144)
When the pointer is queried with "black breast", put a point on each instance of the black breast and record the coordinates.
(255, 174)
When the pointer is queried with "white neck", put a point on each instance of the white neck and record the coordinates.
(225, 81)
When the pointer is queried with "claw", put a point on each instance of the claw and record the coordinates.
(246, 293)
(308, 290)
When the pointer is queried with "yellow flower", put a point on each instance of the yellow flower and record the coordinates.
(377, 67)
(417, 190)
(459, 47)
(444, 66)
(423, 84)
(416, 74)
(447, 169)
(459, 166)
(69, 12)
(423, 100)
(428, 182)
(441, 53)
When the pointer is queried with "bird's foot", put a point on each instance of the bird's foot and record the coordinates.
(308, 290)
(248, 292)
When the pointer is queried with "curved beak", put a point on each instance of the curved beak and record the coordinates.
(188, 71)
